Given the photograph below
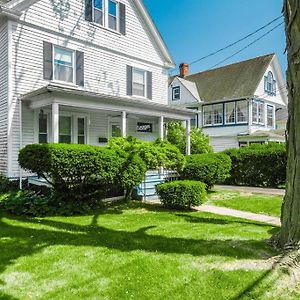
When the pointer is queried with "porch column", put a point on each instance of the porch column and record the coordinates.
(124, 124)
(55, 123)
(188, 137)
(161, 127)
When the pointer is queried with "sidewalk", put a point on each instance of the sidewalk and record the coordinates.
(239, 214)
(253, 190)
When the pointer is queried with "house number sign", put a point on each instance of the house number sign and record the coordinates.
(144, 127)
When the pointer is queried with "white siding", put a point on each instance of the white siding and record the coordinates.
(3, 95)
(106, 56)
(220, 143)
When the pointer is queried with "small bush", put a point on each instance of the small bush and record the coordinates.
(76, 172)
(7, 185)
(258, 165)
(182, 194)
(209, 168)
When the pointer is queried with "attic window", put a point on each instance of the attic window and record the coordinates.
(270, 84)
(176, 93)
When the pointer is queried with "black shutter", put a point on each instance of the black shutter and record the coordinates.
(129, 81)
(122, 16)
(149, 85)
(48, 61)
(79, 68)
(89, 10)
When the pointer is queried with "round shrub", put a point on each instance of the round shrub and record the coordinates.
(258, 165)
(209, 168)
(182, 194)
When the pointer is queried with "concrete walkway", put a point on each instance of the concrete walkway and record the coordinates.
(223, 211)
(253, 190)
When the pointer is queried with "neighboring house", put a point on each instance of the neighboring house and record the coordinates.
(80, 72)
(237, 104)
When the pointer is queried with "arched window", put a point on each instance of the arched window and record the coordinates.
(270, 84)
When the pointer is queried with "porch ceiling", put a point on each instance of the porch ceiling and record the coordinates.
(73, 97)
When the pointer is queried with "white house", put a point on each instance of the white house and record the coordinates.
(80, 71)
(237, 104)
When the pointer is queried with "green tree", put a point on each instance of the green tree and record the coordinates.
(176, 135)
(289, 235)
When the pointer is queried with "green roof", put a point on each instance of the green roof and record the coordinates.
(235, 81)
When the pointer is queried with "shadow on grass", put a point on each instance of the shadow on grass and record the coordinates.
(23, 239)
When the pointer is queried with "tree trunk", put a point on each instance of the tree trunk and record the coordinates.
(289, 235)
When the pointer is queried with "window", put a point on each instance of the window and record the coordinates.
(218, 114)
(242, 111)
(63, 64)
(81, 131)
(65, 129)
(270, 84)
(258, 112)
(116, 130)
(43, 128)
(138, 82)
(112, 14)
(243, 144)
(176, 93)
(207, 115)
(98, 12)
(270, 116)
(230, 113)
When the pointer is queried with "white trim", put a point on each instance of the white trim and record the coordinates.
(10, 111)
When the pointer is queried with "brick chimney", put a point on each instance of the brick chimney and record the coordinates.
(184, 70)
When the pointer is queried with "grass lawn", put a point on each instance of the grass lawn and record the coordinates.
(260, 204)
(138, 251)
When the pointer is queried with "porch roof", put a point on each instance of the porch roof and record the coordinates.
(74, 97)
(272, 135)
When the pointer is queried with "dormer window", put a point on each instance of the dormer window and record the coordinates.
(270, 84)
(176, 93)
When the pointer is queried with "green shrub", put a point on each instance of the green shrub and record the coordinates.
(258, 165)
(76, 172)
(7, 185)
(176, 135)
(209, 168)
(182, 194)
(32, 204)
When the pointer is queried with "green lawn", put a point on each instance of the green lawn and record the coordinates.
(137, 251)
(260, 204)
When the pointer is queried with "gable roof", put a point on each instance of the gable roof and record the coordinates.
(23, 4)
(235, 81)
(191, 87)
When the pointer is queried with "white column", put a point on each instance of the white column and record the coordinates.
(188, 137)
(55, 123)
(124, 124)
(161, 127)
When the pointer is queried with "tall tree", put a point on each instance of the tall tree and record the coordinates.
(289, 235)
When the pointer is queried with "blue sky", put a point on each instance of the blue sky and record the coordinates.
(194, 28)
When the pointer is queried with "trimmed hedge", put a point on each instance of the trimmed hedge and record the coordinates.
(209, 168)
(182, 194)
(258, 165)
(76, 172)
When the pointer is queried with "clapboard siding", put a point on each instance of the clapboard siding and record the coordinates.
(106, 55)
(3, 96)
(220, 143)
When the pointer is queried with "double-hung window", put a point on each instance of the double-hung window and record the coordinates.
(213, 114)
(98, 12)
(242, 111)
(230, 113)
(207, 115)
(113, 14)
(218, 114)
(63, 64)
(270, 116)
(138, 82)
(43, 128)
(258, 111)
(65, 129)
(176, 93)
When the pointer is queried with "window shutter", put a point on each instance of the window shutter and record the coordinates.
(274, 87)
(149, 85)
(122, 17)
(79, 68)
(48, 61)
(89, 10)
(129, 81)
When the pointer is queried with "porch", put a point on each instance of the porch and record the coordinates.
(68, 115)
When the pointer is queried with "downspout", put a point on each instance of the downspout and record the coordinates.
(20, 142)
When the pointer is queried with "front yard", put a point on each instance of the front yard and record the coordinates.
(138, 251)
